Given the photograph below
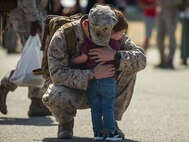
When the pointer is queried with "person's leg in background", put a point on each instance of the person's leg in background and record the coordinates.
(184, 41)
(149, 24)
(10, 40)
(161, 32)
(171, 25)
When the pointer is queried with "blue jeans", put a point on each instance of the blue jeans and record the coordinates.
(101, 94)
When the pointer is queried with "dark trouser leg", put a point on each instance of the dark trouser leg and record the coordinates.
(171, 28)
(10, 40)
(161, 32)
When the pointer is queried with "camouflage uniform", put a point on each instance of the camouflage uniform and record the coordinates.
(20, 18)
(167, 22)
(67, 92)
(27, 12)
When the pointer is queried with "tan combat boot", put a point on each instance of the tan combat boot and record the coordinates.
(3, 97)
(65, 131)
(37, 108)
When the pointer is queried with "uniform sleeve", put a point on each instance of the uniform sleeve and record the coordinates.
(133, 58)
(30, 10)
(58, 61)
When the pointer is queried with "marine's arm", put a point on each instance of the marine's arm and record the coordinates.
(62, 74)
(58, 61)
(131, 57)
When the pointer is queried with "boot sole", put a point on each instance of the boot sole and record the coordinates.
(65, 135)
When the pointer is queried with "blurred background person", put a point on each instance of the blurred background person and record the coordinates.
(10, 41)
(8, 37)
(90, 3)
(76, 8)
(149, 17)
(56, 7)
(118, 4)
(168, 17)
(65, 8)
(185, 32)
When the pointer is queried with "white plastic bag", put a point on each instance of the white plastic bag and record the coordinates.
(30, 59)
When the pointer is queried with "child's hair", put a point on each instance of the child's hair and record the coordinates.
(122, 21)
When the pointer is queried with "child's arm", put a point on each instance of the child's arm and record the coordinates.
(79, 59)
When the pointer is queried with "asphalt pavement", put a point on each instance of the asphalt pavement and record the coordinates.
(159, 110)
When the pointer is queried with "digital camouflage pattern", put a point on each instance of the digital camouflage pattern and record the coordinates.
(67, 90)
(27, 11)
(100, 30)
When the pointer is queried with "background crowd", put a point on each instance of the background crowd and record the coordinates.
(157, 15)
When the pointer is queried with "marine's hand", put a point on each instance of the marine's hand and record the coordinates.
(103, 71)
(102, 54)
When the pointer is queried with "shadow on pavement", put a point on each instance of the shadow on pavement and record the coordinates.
(79, 139)
(37, 121)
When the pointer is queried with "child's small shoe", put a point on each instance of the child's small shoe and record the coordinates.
(114, 136)
(98, 136)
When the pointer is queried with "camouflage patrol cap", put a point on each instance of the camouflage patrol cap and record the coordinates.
(101, 21)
